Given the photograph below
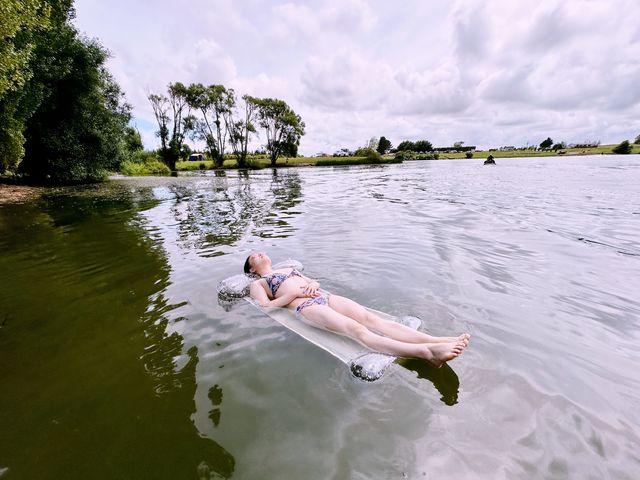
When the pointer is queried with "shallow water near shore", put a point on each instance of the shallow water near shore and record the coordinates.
(118, 361)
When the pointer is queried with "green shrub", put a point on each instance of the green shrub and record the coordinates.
(409, 155)
(253, 162)
(622, 148)
(468, 155)
(373, 156)
(148, 167)
(142, 156)
(405, 155)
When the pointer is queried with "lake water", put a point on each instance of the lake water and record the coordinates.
(118, 361)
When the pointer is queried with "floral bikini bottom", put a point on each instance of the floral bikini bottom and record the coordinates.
(319, 300)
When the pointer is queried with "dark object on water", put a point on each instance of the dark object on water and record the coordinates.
(490, 160)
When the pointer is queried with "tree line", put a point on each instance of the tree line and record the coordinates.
(214, 115)
(62, 116)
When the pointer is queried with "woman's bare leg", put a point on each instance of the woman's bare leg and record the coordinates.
(391, 329)
(323, 316)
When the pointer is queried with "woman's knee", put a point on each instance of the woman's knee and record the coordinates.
(358, 331)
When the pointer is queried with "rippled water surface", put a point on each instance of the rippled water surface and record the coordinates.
(118, 361)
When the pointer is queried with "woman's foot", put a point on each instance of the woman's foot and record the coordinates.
(439, 353)
(465, 338)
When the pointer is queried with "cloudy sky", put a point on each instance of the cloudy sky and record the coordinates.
(486, 72)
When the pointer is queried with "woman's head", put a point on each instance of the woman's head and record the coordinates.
(256, 262)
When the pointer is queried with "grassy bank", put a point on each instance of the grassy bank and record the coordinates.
(288, 162)
(599, 150)
(149, 163)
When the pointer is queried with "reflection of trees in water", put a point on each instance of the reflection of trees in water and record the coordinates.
(222, 215)
(90, 302)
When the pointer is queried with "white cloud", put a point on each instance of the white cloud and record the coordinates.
(487, 72)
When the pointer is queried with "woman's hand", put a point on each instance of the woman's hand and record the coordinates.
(311, 290)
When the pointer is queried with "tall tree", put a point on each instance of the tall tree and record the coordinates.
(160, 107)
(241, 129)
(174, 122)
(77, 130)
(23, 23)
(215, 104)
(637, 140)
(283, 127)
(546, 143)
(384, 146)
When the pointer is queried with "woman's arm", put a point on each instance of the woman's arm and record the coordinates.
(257, 293)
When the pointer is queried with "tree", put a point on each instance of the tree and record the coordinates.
(384, 146)
(160, 107)
(623, 148)
(241, 129)
(559, 146)
(458, 144)
(77, 130)
(637, 140)
(372, 144)
(283, 127)
(22, 26)
(546, 143)
(406, 145)
(215, 104)
(174, 122)
(422, 146)
(132, 140)
(185, 152)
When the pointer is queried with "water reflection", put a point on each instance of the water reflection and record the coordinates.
(94, 371)
(444, 378)
(219, 213)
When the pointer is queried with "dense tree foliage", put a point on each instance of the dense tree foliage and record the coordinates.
(406, 146)
(65, 105)
(22, 21)
(132, 140)
(172, 112)
(384, 146)
(220, 120)
(637, 140)
(546, 143)
(623, 148)
(242, 127)
(423, 146)
(283, 127)
(417, 146)
(215, 104)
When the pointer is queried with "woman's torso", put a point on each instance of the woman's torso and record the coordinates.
(293, 283)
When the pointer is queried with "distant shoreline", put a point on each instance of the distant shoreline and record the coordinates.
(387, 159)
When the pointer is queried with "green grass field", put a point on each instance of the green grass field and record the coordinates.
(287, 161)
(263, 162)
(601, 149)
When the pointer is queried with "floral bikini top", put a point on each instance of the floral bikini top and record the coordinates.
(276, 279)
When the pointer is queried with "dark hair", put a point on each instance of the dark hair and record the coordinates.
(247, 266)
